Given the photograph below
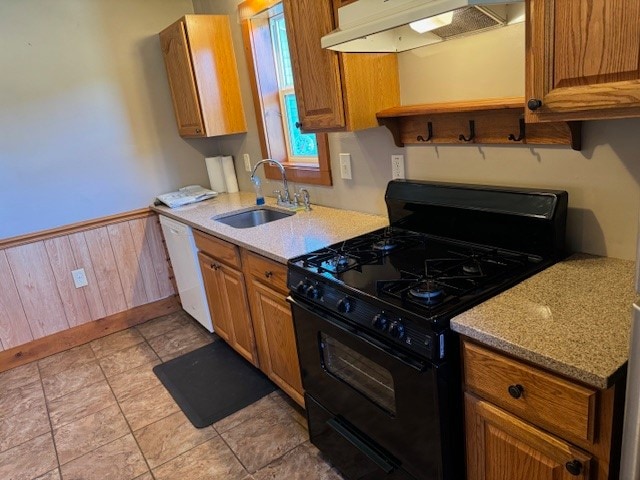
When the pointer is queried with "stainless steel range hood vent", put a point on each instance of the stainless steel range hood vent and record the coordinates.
(395, 25)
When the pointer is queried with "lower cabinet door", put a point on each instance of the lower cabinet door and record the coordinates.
(221, 320)
(500, 446)
(276, 341)
(235, 298)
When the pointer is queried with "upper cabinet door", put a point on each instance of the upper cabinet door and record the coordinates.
(203, 76)
(184, 92)
(582, 59)
(316, 71)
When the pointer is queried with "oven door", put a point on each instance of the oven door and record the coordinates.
(370, 401)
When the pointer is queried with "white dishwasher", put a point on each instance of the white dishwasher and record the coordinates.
(184, 259)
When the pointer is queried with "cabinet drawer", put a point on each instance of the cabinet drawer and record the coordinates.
(267, 271)
(219, 249)
(554, 403)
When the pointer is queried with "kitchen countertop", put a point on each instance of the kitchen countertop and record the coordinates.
(279, 240)
(572, 318)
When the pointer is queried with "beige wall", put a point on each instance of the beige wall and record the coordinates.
(86, 122)
(602, 179)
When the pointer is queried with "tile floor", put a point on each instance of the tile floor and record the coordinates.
(98, 411)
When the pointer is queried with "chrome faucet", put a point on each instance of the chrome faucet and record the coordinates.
(284, 198)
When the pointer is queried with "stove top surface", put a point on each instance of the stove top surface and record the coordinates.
(422, 274)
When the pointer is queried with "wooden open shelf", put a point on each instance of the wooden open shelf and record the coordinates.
(494, 121)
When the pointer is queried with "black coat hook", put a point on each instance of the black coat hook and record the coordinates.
(472, 132)
(520, 136)
(429, 131)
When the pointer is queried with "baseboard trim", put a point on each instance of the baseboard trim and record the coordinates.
(45, 346)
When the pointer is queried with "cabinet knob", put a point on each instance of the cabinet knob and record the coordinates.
(574, 467)
(516, 391)
(198, 130)
(533, 104)
(298, 125)
(268, 274)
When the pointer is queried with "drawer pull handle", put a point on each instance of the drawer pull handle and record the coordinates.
(574, 467)
(268, 274)
(516, 391)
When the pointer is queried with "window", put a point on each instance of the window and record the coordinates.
(305, 156)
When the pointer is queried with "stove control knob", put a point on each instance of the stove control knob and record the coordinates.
(380, 321)
(345, 305)
(302, 286)
(396, 330)
(313, 292)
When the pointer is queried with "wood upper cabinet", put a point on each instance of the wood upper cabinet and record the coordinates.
(203, 76)
(335, 91)
(273, 323)
(582, 59)
(226, 294)
(500, 446)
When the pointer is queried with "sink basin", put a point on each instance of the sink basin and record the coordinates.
(253, 218)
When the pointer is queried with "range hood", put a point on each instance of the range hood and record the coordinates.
(394, 25)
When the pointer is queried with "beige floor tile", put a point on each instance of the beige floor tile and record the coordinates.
(291, 407)
(167, 438)
(19, 376)
(148, 407)
(179, 341)
(88, 433)
(256, 409)
(264, 438)
(72, 379)
(52, 475)
(132, 382)
(145, 476)
(20, 399)
(161, 325)
(62, 361)
(123, 360)
(79, 404)
(118, 460)
(20, 427)
(105, 346)
(210, 460)
(301, 463)
(28, 460)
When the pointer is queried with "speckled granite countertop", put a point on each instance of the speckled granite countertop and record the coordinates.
(280, 240)
(572, 318)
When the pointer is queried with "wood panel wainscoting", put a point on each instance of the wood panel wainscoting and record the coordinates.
(129, 277)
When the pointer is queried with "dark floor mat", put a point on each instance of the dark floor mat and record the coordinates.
(212, 382)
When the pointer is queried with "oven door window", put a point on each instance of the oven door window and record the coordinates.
(367, 377)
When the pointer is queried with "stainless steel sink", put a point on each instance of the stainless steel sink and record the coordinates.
(253, 218)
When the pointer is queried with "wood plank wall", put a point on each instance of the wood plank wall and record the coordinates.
(124, 261)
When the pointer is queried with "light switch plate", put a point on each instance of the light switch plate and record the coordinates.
(247, 162)
(345, 166)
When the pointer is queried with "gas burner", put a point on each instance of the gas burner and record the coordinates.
(471, 268)
(339, 262)
(427, 291)
(385, 245)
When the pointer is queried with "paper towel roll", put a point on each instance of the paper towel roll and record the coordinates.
(229, 174)
(216, 174)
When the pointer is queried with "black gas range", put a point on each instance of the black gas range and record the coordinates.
(380, 365)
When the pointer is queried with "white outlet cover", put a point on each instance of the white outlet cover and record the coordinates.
(397, 167)
(79, 278)
(247, 162)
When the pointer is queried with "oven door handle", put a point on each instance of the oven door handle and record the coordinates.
(386, 466)
(398, 356)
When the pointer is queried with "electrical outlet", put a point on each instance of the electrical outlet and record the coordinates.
(79, 278)
(247, 162)
(345, 166)
(397, 166)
